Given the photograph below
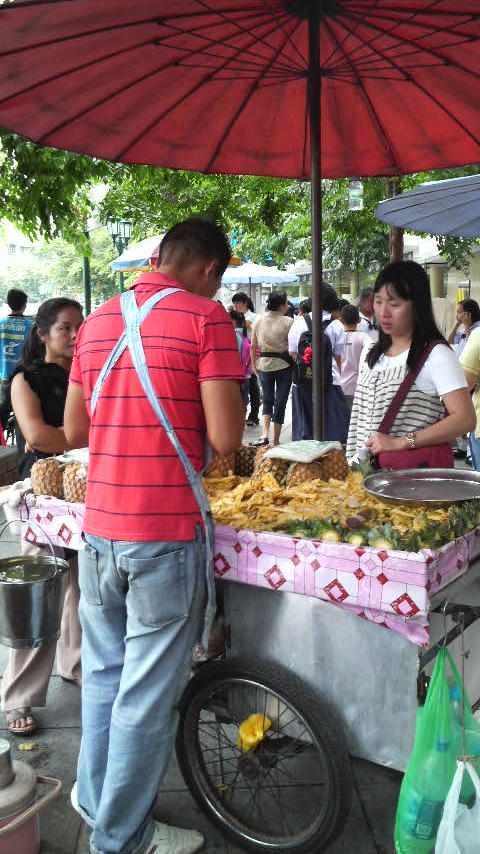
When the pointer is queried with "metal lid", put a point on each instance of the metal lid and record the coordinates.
(21, 791)
(6, 770)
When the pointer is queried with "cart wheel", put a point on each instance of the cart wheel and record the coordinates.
(288, 787)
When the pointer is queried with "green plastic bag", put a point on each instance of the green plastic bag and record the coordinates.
(431, 767)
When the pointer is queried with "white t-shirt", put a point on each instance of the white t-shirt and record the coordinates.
(336, 335)
(355, 342)
(366, 325)
(440, 374)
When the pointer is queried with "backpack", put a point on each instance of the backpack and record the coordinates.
(303, 373)
(244, 352)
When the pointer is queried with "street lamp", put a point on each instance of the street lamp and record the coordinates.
(120, 230)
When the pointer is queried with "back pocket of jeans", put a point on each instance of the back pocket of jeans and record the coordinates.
(88, 575)
(158, 590)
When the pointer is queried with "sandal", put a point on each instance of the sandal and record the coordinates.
(14, 715)
(260, 443)
(252, 422)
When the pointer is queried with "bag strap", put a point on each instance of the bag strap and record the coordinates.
(398, 399)
(133, 317)
(308, 321)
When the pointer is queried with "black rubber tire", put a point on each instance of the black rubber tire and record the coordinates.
(314, 713)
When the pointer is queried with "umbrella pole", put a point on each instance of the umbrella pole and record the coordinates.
(314, 112)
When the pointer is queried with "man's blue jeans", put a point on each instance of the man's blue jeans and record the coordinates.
(141, 611)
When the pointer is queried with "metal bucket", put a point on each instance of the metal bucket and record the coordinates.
(32, 590)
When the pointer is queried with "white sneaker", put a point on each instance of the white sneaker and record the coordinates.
(74, 798)
(174, 840)
(74, 803)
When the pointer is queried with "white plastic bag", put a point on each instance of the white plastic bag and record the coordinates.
(459, 831)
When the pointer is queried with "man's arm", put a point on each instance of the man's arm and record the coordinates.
(224, 414)
(76, 420)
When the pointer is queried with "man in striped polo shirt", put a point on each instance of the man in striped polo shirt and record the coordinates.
(142, 572)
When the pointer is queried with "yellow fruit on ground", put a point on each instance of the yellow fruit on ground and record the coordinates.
(221, 465)
(303, 472)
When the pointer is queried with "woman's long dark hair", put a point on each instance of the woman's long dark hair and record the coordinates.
(409, 281)
(34, 350)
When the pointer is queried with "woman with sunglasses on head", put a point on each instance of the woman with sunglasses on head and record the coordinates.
(39, 390)
(437, 408)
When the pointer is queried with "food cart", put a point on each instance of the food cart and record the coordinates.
(325, 643)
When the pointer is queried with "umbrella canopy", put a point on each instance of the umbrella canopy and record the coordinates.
(256, 274)
(138, 255)
(291, 88)
(224, 86)
(438, 207)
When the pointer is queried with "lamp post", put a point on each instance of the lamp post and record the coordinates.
(120, 230)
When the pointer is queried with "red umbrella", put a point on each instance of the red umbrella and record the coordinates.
(293, 88)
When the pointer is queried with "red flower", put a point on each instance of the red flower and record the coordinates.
(307, 355)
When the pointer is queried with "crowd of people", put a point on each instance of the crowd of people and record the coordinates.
(145, 403)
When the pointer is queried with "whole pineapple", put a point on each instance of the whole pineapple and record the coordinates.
(334, 465)
(74, 482)
(303, 472)
(47, 477)
(244, 460)
(278, 468)
(221, 465)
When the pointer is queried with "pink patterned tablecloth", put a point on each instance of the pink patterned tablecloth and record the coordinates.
(387, 587)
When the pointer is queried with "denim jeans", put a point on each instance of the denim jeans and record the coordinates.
(275, 388)
(475, 451)
(141, 610)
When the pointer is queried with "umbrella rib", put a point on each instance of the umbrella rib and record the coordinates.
(238, 112)
(433, 97)
(238, 51)
(371, 44)
(61, 74)
(370, 107)
(243, 29)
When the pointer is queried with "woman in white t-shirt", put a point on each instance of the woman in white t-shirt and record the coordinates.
(438, 407)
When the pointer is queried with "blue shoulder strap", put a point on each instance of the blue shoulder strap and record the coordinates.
(121, 344)
(133, 317)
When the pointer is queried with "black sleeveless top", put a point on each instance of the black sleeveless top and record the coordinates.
(50, 383)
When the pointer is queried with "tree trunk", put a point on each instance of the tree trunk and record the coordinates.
(395, 240)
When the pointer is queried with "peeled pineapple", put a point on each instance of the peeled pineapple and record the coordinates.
(302, 472)
(245, 460)
(47, 477)
(334, 465)
(74, 482)
(220, 465)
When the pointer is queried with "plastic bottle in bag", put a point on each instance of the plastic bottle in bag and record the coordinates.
(421, 805)
(471, 744)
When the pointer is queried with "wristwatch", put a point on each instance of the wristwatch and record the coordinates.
(411, 439)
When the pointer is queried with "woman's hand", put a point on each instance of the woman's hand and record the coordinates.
(380, 442)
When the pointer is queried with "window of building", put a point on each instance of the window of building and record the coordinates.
(12, 249)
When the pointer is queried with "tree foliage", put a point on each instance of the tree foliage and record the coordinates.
(46, 193)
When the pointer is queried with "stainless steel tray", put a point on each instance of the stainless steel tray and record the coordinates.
(432, 486)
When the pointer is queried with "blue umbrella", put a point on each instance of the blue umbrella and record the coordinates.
(449, 207)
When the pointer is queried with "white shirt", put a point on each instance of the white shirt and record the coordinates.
(366, 325)
(440, 374)
(336, 335)
(460, 338)
(355, 342)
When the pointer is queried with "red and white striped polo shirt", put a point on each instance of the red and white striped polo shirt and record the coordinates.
(137, 488)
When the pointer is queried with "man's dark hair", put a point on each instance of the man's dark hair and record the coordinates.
(16, 299)
(306, 305)
(192, 240)
(238, 319)
(350, 314)
(342, 303)
(329, 298)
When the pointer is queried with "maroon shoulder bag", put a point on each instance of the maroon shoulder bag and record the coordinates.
(431, 456)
